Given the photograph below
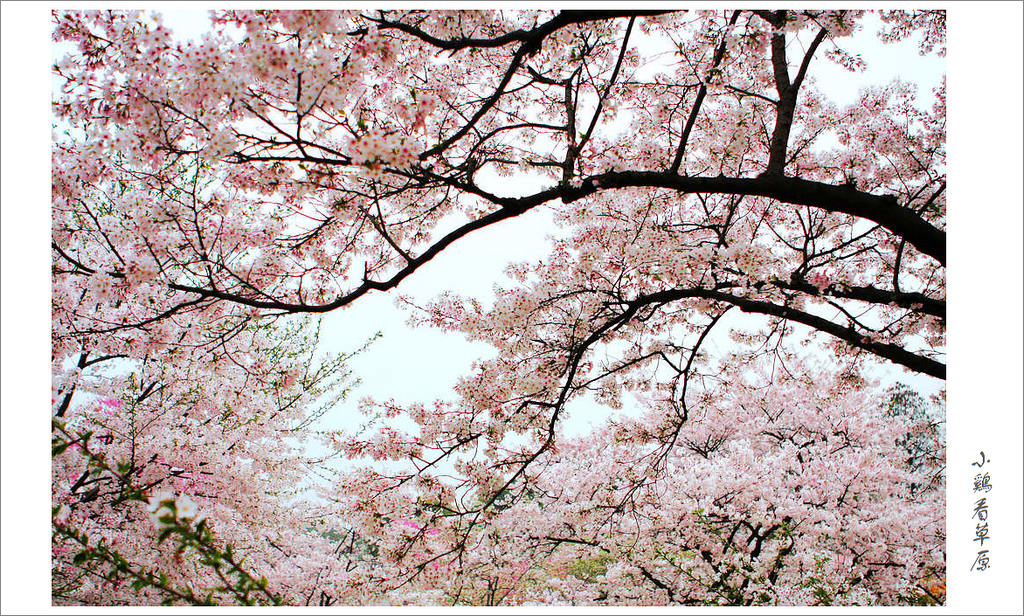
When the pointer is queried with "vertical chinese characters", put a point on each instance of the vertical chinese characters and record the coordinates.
(982, 484)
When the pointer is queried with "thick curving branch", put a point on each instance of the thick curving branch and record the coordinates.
(851, 336)
(884, 210)
(532, 38)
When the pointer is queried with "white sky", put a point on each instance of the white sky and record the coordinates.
(985, 314)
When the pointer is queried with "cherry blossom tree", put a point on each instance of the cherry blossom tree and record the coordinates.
(213, 197)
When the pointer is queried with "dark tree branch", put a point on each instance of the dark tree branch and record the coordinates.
(883, 210)
(532, 38)
(911, 300)
(701, 93)
(851, 336)
(788, 92)
(530, 43)
(607, 88)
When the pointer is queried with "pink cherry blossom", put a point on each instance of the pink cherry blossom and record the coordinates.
(733, 252)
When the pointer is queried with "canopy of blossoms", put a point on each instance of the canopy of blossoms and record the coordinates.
(212, 198)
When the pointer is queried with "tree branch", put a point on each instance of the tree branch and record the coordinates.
(892, 352)
(701, 93)
(788, 92)
(531, 37)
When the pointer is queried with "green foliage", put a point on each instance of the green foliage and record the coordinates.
(924, 443)
(589, 569)
(192, 537)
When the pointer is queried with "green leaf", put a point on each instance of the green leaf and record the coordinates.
(83, 557)
(164, 534)
(58, 447)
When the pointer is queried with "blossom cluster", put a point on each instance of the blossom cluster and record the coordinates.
(375, 149)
